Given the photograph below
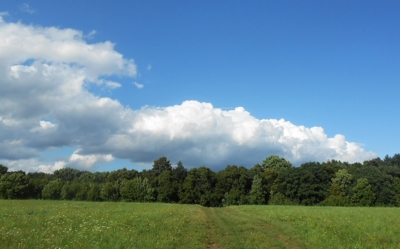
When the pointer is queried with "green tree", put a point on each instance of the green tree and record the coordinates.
(332, 166)
(161, 164)
(94, 192)
(122, 174)
(180, 172)
(3, 170)
(336, 197)
(343, 179)
(68, 174)
(14, 185)
(362, 193)
(233, 185)
(198, 188)
(276, 162)
(137, 189)
(52, 190)
(110, 191)
(167, 187)
(387, 196)
(279, 199)
(257, 194)
(306, 185)
(68, 191)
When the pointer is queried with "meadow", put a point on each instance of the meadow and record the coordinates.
(70, 224)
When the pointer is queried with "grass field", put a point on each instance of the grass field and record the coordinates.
(63, 224)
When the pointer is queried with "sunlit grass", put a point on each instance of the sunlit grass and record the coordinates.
(333, 227)
(69, 224)
(61, 224)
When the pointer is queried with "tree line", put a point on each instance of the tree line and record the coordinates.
(275, 181)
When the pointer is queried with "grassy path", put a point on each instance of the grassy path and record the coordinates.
(233, 228)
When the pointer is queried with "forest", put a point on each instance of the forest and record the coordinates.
(275, 181)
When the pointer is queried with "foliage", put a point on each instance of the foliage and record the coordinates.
(332, 183)
(198, 187)
(343, 179)
(14, 186)
(137, 189)
(167, 187)
(276, 162)
(3, 169)
(161, 164)
(257, 194)
(52, 191)
(279, 199)
(362, 193)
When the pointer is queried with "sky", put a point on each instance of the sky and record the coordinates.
(103, 85)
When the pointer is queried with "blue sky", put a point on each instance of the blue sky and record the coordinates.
(288, 65)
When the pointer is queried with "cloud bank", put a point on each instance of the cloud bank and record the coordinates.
(46, 105)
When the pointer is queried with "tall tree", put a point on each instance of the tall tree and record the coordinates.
(257, 194)
(180, 172)
(362, 193)
(161, 164)
(343, 179)
(167, 187)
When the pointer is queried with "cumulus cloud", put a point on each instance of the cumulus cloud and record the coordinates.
(139, 86)
(46, 105)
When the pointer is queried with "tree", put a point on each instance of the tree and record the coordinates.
(233, 185)
(273, 182)
(276, 162)
(332, 166)
(68, 174)
(257, 195)
(161, 164)
(94, 191)
(387, 196)
(362, 193)
(336, 197)
(198, 188)
(279, 199)
(167, 187)
(52, 191)
(306, 185)
(14, 186)
(68, 191)
(122, 174)
(180, 172)
(3, 170)
(137, 189)
(110, 191)
(343, 179)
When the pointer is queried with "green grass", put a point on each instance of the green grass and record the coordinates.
(63, 224)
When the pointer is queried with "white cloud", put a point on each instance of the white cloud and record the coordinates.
(197, 133)
(87, 161)
(139, 86)
(148, 67)
(45, 72)
(26, 8)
